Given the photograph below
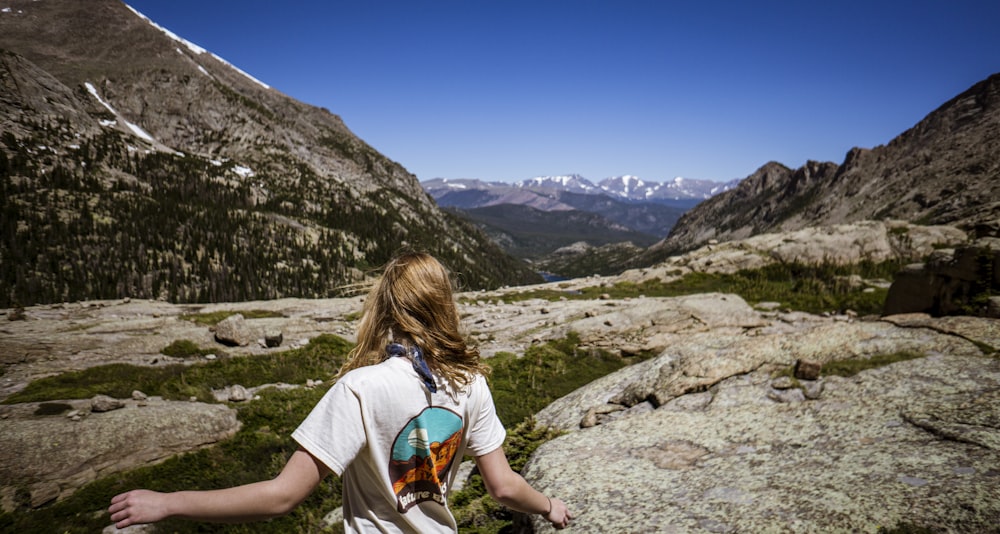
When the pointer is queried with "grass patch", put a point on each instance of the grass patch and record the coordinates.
(811, 288)
(475, 511)
(855, 366)
(52, 408)
(523, 386)
(185, 348)
(213, 318)
(320, 359)
(852, 367)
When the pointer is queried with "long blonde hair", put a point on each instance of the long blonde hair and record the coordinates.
(413, 302)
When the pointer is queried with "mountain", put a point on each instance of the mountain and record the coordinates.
(646, 207)
(567, 225)
(943, 170)
(135, 163)
(532, 234)
(679, 192)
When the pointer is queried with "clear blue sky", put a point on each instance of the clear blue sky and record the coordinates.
(509, 90)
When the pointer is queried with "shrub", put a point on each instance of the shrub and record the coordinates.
(184, 348)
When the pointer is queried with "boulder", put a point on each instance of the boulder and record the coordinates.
(104, 403)
(807, 370)
(273, 338)
(950, 282)
(238, 393)
(234, 331)
(54, 456)
(916, 442)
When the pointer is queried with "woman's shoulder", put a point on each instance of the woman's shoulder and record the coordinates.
(372, 373)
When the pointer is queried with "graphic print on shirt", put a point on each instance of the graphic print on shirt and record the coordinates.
(422, 454)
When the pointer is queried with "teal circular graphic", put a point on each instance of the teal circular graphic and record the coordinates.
(422, 454)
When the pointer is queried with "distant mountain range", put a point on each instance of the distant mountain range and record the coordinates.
(539, 192)
(647, 207)
(534, 219)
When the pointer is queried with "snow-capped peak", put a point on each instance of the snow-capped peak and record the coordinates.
(570, 182)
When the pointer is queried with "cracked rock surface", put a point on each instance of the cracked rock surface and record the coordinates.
(915, 442)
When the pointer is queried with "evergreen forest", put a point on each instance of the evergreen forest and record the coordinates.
(103, 219)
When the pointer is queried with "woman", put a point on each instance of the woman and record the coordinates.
(409, 404)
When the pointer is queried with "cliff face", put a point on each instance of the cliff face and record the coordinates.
(129, 152)
(944, 170)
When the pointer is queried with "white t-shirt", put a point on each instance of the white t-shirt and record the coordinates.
(397, 446)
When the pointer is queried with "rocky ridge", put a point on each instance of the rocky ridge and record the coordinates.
(943, 170)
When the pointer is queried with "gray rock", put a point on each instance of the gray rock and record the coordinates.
(993, 308)
(43, 493)
(786, 395)
(235, 331)
(947, 283)
(812, 389)
(273, 338)
(783, 382)
(807, 370)
(42, 455)
(741, 465)
(104, 403)
(238, 393)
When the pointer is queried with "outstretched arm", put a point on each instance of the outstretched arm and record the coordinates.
(511, 490)
(250, 502)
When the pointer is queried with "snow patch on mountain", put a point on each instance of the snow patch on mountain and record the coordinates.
(135, 129)
(572, 182)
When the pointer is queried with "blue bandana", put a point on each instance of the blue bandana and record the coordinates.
(419, 365)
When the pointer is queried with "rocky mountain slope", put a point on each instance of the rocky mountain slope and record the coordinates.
(134, 163)
(944, 170)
